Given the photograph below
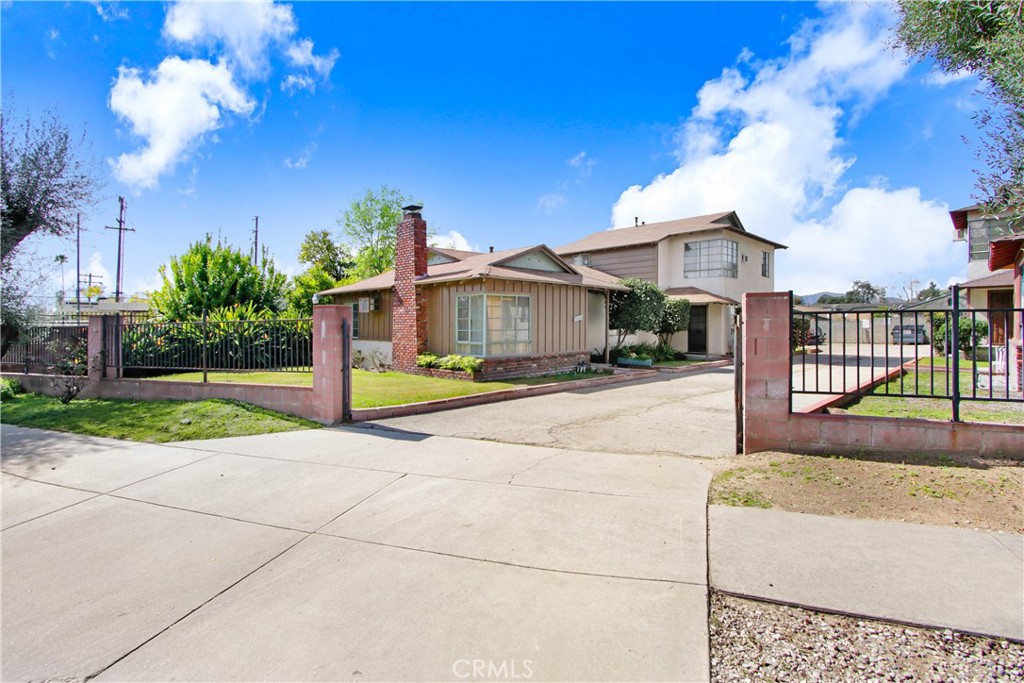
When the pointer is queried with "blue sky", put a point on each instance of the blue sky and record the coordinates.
(513, 124)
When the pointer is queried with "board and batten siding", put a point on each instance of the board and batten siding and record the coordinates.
(375, 325)
(553, 308)
(641, 262)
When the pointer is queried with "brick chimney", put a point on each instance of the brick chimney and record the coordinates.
(409, 303)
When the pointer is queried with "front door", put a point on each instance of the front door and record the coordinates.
(999, 299)
(698, 333)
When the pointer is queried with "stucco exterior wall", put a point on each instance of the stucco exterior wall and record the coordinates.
(749, 278)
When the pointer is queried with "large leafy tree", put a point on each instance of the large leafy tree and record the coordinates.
(637, 309)
(210, 276)
(369, 228)
(985, 37)
(675, 317)
(46, 177)
(304, 286)
(319, 250)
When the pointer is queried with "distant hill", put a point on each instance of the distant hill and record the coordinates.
(811, 299)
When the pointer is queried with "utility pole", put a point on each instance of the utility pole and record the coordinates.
(78, 268)
(256, 240)
(121, 230)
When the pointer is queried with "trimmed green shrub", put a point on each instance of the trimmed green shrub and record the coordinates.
(428, 360)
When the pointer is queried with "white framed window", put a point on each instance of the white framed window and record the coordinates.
(766, 260)
(355, 320)
(711, 258)
(493, 324)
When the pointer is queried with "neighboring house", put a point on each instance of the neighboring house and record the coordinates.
(524, 311)
(985, 287)
(711, 261)
(1006, 254)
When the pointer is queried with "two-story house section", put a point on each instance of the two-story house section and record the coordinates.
(985, 288)
(709, 260)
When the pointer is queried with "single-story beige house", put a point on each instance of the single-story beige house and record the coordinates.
(523, 311)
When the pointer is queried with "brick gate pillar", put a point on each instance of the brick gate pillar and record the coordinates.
(332, 376)
(766, 371)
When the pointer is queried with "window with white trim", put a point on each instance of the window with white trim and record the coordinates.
(493, 325)
(711, 258)
(355, 320)
(766, 260)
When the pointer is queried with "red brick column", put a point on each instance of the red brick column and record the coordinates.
(409, 306)
(766, 371)
(332, 378)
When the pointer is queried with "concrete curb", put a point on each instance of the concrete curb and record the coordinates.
(620, 377)
(839, 400)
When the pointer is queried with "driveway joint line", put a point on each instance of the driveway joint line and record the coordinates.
(509, 564)
(203, 512)
(48, 483)
(357, 504)
(160, 474)
(195, 609)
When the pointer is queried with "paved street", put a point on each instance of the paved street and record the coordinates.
(348, 554)
(692, 415)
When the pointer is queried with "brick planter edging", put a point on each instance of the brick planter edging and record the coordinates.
(368, 414)
(684, 369)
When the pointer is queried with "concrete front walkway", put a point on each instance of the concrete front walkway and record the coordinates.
(349, 554)
(961, 579)
(691, 415)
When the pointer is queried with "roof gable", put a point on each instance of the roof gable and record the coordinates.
(536, 258)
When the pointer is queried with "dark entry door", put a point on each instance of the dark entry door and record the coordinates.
(999, 299)
(698, 336)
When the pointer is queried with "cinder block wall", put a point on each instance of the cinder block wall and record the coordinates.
(768, 423)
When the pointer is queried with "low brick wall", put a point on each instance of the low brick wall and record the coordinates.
(292, 400)
(769, 425)
(512, 366)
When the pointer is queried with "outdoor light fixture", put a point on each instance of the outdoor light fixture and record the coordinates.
(316, 299)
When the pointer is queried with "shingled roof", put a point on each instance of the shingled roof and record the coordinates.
(653, 233)
(493, 265)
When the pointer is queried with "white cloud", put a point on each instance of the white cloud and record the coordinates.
(302, 160)
(243, 30)
(551, 201)
(453, 239)
(764, 140)
(171, 110)
(300, 54)
(109, 11)
(941, 79)
(295, 82)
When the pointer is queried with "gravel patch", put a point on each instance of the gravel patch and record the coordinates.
(755, 641)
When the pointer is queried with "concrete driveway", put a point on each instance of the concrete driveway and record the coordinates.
(692, 415)
(349, 554)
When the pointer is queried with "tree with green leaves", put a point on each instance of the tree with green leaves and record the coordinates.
(932, 291)
(863, 292)
(304, 286)
(675, 317)
(210, 276)
(369, 228)
(638, 309)
(986, 38)
(319, 250)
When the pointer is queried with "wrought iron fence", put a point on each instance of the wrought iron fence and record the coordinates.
(269, 345)
(41, 347)
(910, 353)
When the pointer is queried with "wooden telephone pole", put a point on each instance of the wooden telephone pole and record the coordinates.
(121, 230)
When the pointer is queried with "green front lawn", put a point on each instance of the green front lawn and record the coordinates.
(152, 421)
(376, 389)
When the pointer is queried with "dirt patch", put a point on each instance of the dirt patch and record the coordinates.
(970, 493)
(755, 641)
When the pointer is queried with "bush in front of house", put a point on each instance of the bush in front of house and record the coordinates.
(428, 360)
(452, 362)
(9, 388)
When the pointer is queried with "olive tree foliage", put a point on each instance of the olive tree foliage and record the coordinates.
(209, 276)
(46, 177)
(675, 317)
(986, 38)
(637, 309)
(368, 226)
